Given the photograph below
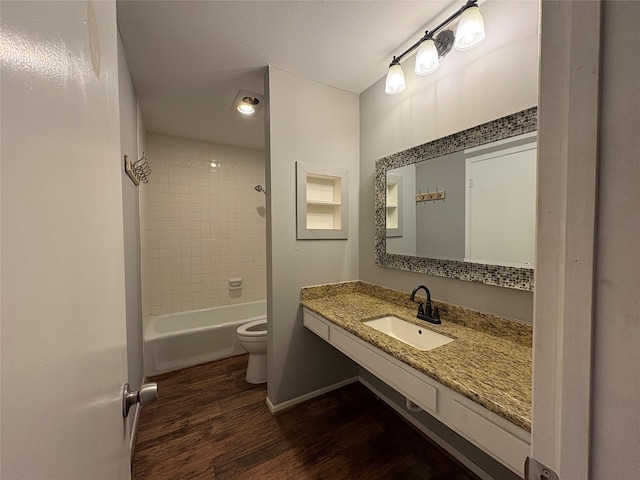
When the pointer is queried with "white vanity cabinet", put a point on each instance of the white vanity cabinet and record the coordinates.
(504, 441)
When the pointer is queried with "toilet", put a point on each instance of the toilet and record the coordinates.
(253, 338)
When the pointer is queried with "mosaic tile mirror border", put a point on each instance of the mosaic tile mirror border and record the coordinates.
(505, 127)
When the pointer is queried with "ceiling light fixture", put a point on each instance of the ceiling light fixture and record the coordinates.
(247, 103)
(470, 32)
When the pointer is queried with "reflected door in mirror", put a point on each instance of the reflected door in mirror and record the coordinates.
(501, 206)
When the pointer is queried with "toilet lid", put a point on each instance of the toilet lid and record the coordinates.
(257, 328)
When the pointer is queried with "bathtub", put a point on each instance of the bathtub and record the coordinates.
(184, 339)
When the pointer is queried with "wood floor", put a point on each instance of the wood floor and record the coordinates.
(210, 424)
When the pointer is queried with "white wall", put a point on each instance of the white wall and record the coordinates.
(497, 78)
(313, 123)
(440, 225)
(201, 225)
(615, 441)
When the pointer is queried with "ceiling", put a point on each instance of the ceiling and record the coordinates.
(189, 59)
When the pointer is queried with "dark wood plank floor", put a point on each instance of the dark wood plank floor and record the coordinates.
(210, 424)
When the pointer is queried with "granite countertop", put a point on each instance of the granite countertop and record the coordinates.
(489, 361)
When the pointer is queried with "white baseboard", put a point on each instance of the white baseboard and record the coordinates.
(307, 396)
(429, 433)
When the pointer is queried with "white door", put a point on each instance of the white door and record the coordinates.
(62, 262)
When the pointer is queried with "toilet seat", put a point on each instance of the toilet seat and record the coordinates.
(255, 329)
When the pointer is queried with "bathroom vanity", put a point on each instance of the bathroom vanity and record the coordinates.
(479, 384)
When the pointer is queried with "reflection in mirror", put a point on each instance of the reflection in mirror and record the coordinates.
(500, 202)
(487, 214)
(395, 206)
(467, 207)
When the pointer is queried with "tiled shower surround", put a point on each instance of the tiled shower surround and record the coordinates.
(202, 223)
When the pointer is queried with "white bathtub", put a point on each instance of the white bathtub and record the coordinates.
(180, 340)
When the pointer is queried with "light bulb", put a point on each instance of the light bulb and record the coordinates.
(248, 105)
(246, 109)
(470, 30)
(427, 58)
(395, 80)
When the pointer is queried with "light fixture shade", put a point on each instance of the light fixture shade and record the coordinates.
(395, 80)
(470, 30)
(427, 58)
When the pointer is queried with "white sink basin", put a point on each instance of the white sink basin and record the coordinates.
(418, 337)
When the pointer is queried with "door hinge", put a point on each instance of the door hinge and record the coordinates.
(534, 470)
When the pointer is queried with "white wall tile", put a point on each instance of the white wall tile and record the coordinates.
(201, 225)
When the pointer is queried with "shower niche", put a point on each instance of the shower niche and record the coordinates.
(322, 202)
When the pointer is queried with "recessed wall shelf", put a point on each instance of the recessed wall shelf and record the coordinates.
(322, 202)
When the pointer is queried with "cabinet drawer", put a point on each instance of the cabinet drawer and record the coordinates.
(316, 325)
(503, 445)
(412, 387)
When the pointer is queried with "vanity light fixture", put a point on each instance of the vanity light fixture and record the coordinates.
(470, 31)
(427, 58)
(247, 103)
(431, 49)
(395, 78)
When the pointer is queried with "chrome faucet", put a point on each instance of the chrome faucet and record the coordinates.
(426, 312)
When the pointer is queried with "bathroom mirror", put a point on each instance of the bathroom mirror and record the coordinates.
(451, 227)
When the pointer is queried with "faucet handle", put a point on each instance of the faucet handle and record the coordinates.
(436, 313)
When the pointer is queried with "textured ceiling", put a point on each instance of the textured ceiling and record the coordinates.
(189, 59)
